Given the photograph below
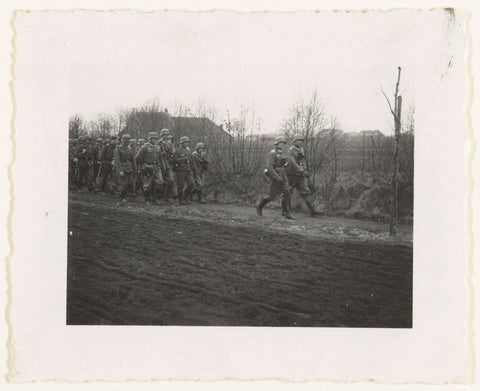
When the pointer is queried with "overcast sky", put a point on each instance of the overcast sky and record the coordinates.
(264, 60)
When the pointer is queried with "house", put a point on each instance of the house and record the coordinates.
(139, 123)
(198, 129)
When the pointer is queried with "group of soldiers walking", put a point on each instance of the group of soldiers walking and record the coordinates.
(162, 171)
(287, 171)
(154, 166)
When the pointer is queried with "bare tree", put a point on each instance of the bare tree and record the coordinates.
(396, 112)
(104, 125)
(406, 148)
(332, 147)
(308, 118)
(75, 126)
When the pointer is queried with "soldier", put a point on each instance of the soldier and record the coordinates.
(74, 159)
(174, 193)
(138, 177)
(167, 149)
(115, 181)
(149, 162)
(96, 162)
(183, 166)
(125, 166)
(297, 173)
(106, 157)
(134, 146)
(71, 164)
(200, 164)
(85, 154)
(275, 170)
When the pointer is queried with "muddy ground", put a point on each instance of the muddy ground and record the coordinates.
(222, 265)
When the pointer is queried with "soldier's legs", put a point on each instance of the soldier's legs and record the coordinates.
(275, 190)
(287, 202)
(138, 182)
(147, 185)
(105, 175)
(134, 185)
(90, 178)
(285, 189)
(300, 183)
(174, 193)
(82, 173)
(130, 183)
(181, 182)
(158, 181)
(190, 188)
(125, 183)
(114, 180)
(71, 176)
(199, 183)
(168, 178)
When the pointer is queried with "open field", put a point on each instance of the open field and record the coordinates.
(223, 265)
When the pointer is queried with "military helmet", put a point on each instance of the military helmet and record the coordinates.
(141, 140)
(153, 135)
(81, 138)
(184, 139)
(280, 139)
(126, 137)
(99, 139)
(164, 132)
(200, 145)
(133, 141)
(298, 136)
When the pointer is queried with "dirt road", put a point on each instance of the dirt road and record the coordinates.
(225, 266)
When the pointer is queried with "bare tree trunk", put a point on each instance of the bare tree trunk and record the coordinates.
(397, 118)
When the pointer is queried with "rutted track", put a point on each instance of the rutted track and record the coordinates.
(139, 269)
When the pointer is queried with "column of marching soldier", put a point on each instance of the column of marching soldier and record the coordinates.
(150, 166)
(162, 171)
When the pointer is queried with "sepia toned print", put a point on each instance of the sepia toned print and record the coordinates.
(287, 204)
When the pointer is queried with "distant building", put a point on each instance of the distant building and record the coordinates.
(198, 129)
(140, 123)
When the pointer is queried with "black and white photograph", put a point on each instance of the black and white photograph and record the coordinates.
(245, 174)
(241, 195)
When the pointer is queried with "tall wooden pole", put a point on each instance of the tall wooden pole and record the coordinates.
(397, 114)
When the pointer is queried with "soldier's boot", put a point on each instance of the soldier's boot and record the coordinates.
(311, 208)
(123, 197)
(153, 196)
(261, 204)
(146, 195)
(165, 194)
(286, 209)
(134, 189)
(200, 197)
(197, 192)
(180, 199)
(284, 206)
(188, 198)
